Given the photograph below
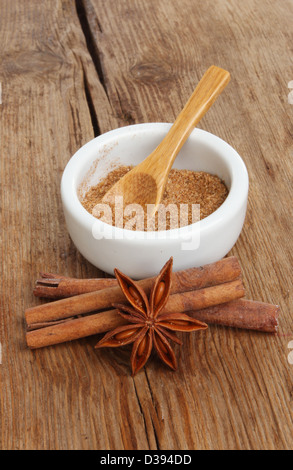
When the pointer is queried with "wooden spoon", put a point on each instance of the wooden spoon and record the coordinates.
(145, 183)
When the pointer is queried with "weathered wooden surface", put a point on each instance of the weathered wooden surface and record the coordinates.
(67, 74)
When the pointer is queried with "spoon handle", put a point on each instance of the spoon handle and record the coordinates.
(208, 89)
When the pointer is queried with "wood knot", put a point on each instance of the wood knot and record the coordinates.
(152, 72)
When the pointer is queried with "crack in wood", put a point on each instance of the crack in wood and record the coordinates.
(76, 125)
(93, 114)
(155, 408)
(82, 13)
(142, 413)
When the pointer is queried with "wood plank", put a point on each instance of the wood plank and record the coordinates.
(46, 401)
(152, 55)
(67, 75)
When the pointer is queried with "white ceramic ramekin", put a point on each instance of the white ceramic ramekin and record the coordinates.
(142, 254)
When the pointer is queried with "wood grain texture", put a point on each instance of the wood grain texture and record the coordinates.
(69, 73)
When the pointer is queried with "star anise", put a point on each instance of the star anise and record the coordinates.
(147, 326)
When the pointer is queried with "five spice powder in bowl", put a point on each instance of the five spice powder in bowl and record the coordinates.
(184, 188)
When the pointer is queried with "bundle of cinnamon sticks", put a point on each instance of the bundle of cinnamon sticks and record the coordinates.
(212, 294)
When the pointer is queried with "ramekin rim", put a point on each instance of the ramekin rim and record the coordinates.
(72, 203)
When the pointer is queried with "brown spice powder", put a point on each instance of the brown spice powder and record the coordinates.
(183, 187)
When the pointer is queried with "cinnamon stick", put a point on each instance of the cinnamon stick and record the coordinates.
(208, 276)
(179, 302)
(55, 286)
(240, 313)
(88, 325)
